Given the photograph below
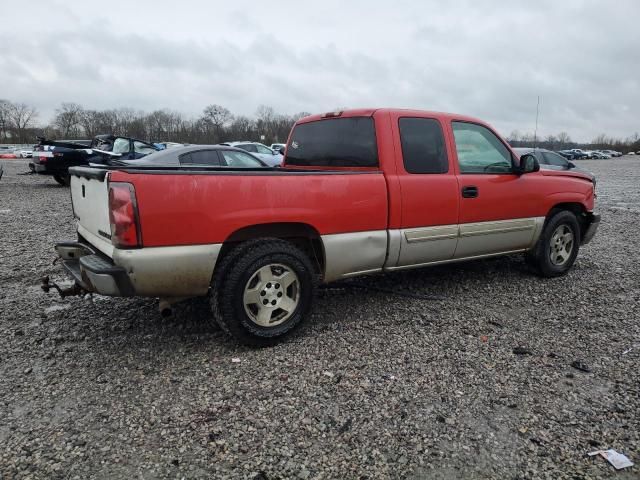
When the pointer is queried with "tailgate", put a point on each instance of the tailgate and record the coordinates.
(90, 199)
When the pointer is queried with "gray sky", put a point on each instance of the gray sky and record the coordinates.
(489, 59)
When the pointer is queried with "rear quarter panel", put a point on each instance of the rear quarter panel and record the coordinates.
(206, 208)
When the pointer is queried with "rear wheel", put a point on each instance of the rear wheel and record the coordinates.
(557, 248)
(62, 179)
(264, 293)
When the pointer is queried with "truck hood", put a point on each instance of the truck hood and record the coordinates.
(574, 172)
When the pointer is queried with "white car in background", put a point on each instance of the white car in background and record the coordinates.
(24, 153)
(278, 147)
(264, 153)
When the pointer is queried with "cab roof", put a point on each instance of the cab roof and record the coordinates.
(371, 112)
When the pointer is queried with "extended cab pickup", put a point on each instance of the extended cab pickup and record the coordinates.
(360, 192)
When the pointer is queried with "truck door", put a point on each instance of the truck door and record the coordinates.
(499, 209)
(429, 189)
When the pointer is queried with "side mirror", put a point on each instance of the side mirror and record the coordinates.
(529, 164)
(571, 165)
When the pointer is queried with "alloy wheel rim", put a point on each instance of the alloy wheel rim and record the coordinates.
(561, 245)
(271, 295)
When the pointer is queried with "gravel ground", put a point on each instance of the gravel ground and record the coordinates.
(377, 386)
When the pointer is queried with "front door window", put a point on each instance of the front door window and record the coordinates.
(479, 150)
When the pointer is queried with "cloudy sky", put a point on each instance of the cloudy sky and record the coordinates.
(489, 59)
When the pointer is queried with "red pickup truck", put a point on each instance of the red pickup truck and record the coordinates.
(360, 192)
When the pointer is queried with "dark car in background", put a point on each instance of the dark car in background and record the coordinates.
(55, 157)
(549, 160)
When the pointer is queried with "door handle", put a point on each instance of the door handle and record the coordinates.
(470, 191)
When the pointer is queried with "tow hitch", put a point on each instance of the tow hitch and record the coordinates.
(46, 285)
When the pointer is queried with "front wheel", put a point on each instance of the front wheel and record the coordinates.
(62, 179)
(558, 245)
(265, 293)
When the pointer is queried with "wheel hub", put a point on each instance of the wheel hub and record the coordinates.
(561, 245)
(271, 295)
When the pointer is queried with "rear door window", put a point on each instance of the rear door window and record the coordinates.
(423, 149)
(201, 157)
(336, 142)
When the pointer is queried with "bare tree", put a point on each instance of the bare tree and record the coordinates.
(216, 117)
(564, 140)
(90, 121)
(22, 117)
(297, 116)
(68, 118)
(5, 123)
(514, 137)
(265, 121)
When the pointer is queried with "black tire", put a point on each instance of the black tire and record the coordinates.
(540, 258)
(234, 274)
(62, 179)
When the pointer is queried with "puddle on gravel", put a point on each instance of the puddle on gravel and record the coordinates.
(56, 308)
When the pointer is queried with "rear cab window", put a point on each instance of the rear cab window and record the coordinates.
(334, 142)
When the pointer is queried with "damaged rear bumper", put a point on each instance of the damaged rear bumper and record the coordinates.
(94, 272)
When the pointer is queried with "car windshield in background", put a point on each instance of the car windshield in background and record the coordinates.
(337, 142)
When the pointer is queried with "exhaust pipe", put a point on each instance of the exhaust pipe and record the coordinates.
(165, 308)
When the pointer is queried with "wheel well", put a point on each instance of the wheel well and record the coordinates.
(577, 209)
(303, 235)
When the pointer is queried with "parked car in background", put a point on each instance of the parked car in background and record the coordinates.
(196, 156)
(54, 158)
(549, 160)
(163, 145)
(611, 153)
(24, 153)
(579, 154)
(264, 153)
(360, 192)
(278, 147)
(600, 155)
(568, 154)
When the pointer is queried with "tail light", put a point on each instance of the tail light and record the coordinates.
(123, 216)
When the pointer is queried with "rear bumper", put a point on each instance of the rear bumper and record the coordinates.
(592, 228)
(94, 272)
(181, 271)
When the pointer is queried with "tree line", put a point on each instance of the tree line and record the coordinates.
(19, 124)
(562, 141)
